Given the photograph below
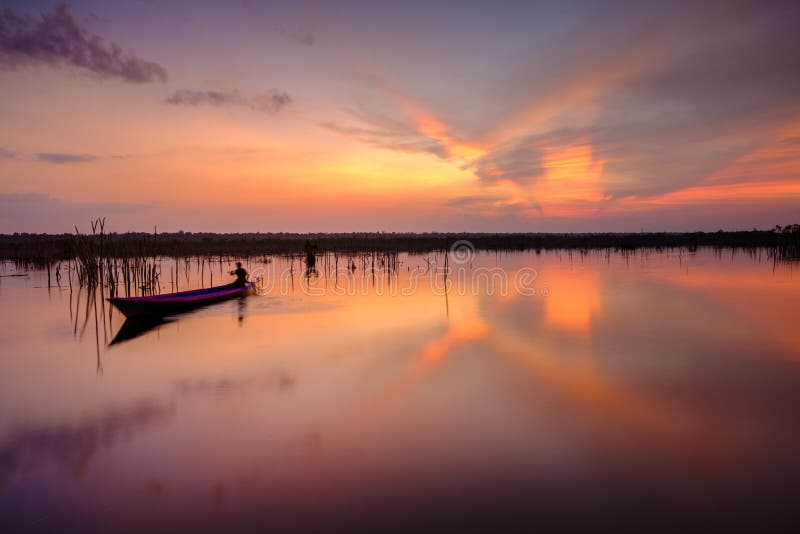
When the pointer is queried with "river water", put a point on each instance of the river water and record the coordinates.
(493, 390)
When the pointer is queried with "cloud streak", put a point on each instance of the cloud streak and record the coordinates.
(58, 39)
(402, 139)
(473, 200)
(56, 158)
(399, 124)
(270, 102)
(59, 159)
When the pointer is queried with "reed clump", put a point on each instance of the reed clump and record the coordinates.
(310, 250)
(116, 264)
(789, 247)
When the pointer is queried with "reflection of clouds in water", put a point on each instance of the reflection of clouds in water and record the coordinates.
(264, 305)
(283, 305)
(72, 445)
(280, 380)
(155, 487)
(693, 399)
(623, 382)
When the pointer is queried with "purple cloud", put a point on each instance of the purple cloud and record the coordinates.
(270, 102)
(57, 158)
(58, 39)
(7, 154)
(469, 201)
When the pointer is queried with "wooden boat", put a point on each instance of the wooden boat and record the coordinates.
(173, 303)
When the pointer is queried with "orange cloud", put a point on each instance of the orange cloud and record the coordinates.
(572, 183)
(738, 193)
(429, 125)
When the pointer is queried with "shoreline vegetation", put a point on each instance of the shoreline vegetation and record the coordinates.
(42, 249)
(127, 262)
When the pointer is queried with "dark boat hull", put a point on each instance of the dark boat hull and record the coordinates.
(174, 303)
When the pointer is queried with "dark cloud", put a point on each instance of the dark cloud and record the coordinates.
(297, 34)
(270, 102)
(57, 39)
(472, 201)
(57, 158)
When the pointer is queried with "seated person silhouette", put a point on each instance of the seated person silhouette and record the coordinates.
(241, 275)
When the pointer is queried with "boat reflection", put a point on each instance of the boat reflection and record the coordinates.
(138, 326)
(241, 308)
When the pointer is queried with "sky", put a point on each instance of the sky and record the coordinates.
(563, 116)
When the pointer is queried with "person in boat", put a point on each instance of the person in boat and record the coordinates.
(241, 275)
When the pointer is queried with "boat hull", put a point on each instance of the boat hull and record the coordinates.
(175, 303)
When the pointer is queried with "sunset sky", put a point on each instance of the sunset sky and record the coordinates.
(226, 116)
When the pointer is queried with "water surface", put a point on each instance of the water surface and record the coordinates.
(602, 390)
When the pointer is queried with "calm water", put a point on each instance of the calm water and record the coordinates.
(543, 389)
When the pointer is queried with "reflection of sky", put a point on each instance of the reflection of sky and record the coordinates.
(417, 116)
(647, 374)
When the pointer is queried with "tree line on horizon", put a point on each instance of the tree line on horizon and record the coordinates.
(47, 248)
